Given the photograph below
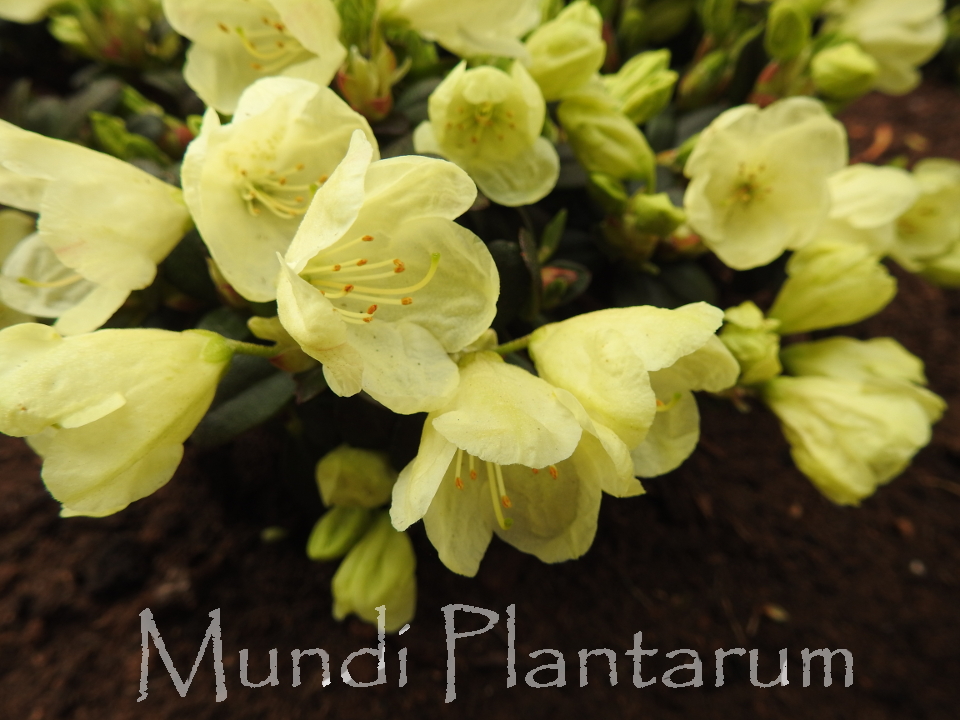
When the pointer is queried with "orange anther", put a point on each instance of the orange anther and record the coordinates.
(367, 238)
(473, 474)
(553, 472)
(505, 501)
(459, 483)
(336, 268)
(223, 27)
(371, 310)
(347, 288)
(361, 262)
(534, 471)
(406, 301)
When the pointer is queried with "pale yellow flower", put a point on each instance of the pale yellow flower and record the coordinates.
(107, 411)
(237, 43)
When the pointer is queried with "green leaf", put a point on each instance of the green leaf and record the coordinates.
(251, 407)
(552, 233)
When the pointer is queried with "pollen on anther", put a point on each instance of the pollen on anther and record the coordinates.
(535, 471)
(371, 310)
(361, 262)
(322, 179)
(368, 319)
(459, 483)
(406, 301)
(347, 288)
(367, 238)
(505, 501)
(473, 474)
(399, 267)
(298, 198)
(282, 181)
(553, 472)
(336, 268)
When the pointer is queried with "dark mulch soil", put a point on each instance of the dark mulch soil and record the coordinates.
(735, 549)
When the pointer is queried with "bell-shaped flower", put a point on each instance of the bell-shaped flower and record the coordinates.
(468, 28)
(930, 228)
(354, 477)
(754, 342)
(900, 35)
(379, 571)
(865, 202)
(759, 179)
(675, 431)
(248, 183)
(379, 284)
(605, 359)
(237, 43)
(856, 416)
(107, 221)
(831, 284)
(107, 411)
(488, 122)
(566, 52)
(603, 138)
(512, 455)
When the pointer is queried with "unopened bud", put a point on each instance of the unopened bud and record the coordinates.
(844, 72)
(706, 79)
(604, 139)
(379, 570)
(717, 16)
(753, 341)
(608, 192)
(643, 86)
(367, 83)
(655, 214)
(788, 30)
(335, 534)
(355, 477)
(567, 51)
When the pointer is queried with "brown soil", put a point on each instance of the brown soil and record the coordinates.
(736, 549)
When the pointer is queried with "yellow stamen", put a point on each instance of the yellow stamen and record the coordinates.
(54, 284)
(457, 480)
(504, 523)
(504, 499)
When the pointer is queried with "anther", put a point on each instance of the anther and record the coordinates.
(404, 301)
(535, 471)
(336, 268)
(361, 261)
(459, 483)
(371, 310)
(347, 288)
(223, 27)
(300, 166)
(398, 266)
(505, 501)
(553, 471)
(367, 238)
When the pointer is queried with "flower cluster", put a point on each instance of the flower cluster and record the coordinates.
(342, 218)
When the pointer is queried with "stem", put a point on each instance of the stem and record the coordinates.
(245, 348)
(513, 345)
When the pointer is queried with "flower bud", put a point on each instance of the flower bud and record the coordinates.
(754, 342)
(355, 478)
(643, 86)
(379, 570)
(567, 51)
(717, 16)
(337, 531)
(844, 71)
(706, 79)
(831, 284)
(788, 30)
(655, 214)
(366, 83)
(604, 139)
(129, 33)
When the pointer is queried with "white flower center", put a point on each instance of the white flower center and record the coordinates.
(271, 47)
(358, 279)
